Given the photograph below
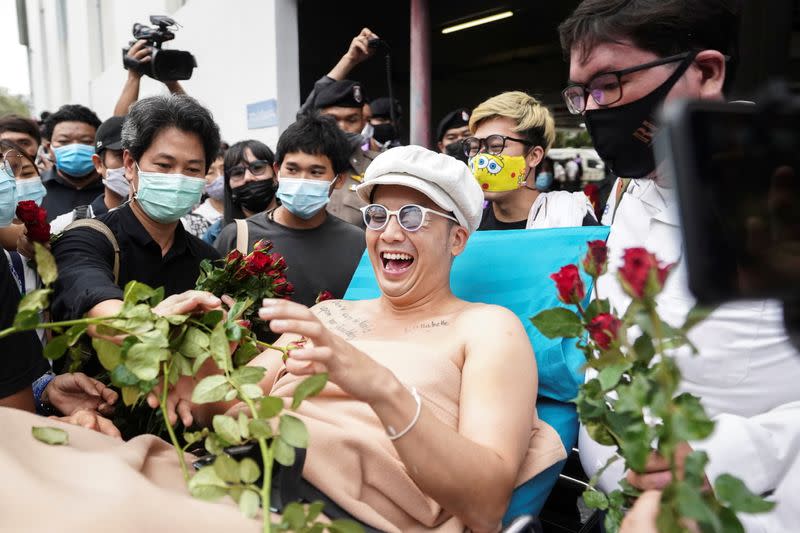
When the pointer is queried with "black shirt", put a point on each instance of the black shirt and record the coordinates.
(490, 222)
(22, 362)
(85, 260)
(318, 259)
(62, 197)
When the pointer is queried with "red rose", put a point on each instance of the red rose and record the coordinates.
(641, 275)
(596, 259)
(27, 211)
(569, 284)
(288, 289)
(39, 232)
(233, 256)
(278, 262)
(604, 329)
(256, 263)
(262, 246)
(324, 295)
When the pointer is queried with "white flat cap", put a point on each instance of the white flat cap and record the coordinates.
(442, 178)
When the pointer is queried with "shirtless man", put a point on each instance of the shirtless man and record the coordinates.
(381, 353)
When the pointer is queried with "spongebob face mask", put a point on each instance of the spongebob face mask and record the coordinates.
(498, 173)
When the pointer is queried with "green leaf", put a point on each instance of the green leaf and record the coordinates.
(244, 428)
(219, 347)
(294, 516)
(195, 342)
(107, 352)
(157, 297)
(697, 314)
(314, 510)
(252, 391)
(74, 333)
(729, 521)
(597, 307)
(643, 346)
(245, 353)
(56, 347)
(26, 319)
(691, 504)
(694, 468)
(238, 308)
(214, 444)
(613, 520)
(227, 468)
(34, 301)
(143, 360)
(248, 375)
(594, 499)
(212, 318)
(609, 377)
(199, 361)
(558, 322)
(249, 472)
(249, 502)
(344, 525)
(232, 394)
(293, 431)
(135, 292)
(227, 428)
(733, 492)
(45, 264)
(311, 386)
(211, 389)
(270, 406)
(689, 419)
(122, 377)
(283, 452)
(207, 485)
(130, 395)
(50, 435)
(260, 429)
(176, 320)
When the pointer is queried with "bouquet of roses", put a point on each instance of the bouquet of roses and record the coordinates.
(256, 276)
(35, 220)
(634, 403)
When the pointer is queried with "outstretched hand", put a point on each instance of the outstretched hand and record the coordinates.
(76, 391)
(91, 420)
(349, 368)
(359, 49)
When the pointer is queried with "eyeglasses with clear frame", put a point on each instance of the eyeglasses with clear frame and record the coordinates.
(605, 88)
(411, 217)
(257, 167)
(18, 164)
(494, 144)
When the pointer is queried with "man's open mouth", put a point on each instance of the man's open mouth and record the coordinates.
(396, 261)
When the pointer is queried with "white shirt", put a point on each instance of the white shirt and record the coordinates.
(747, 374)
(559, 209)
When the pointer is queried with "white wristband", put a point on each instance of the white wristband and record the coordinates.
(393, 434)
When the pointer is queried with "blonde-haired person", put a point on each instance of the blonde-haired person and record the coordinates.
(511, 134)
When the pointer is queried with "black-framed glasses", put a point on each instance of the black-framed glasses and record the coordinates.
(494, 144)
(605, 88)
(257, 167)
(411, 217)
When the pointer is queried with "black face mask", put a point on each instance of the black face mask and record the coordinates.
(355, 140)
(456, 149)
(623, 136)
(384, 133)
(254, 196)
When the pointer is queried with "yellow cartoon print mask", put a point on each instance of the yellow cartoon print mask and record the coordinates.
(498, 173)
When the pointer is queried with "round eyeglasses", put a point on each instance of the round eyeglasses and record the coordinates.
(411, 217)
(257, 167)
(606, 88)
(494, 144)
(19, 165)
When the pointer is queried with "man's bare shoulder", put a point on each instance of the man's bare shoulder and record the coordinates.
(476, 314)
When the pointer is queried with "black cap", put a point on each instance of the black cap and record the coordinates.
(458, 118)
(109, 135)
(341, 93)
(380, 108)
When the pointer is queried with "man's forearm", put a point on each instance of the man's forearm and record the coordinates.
(341, 70)
(129, 96)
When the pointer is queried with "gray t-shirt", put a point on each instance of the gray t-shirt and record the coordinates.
(318, 259)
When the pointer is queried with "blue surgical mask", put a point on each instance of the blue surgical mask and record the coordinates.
(167, 197)
(75, 159)
(304, 198)
(30, 189)
(216, 189)
(544, 180)
(116, 182)
(8, 197)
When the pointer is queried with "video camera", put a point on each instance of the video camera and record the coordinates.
(736, 167)
(164, 65)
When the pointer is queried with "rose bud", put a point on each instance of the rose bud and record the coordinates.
(604, 330)
(641, 275)
(26, 211)
(233, 256)
(263, 246)
(39, 233)
(324, 295)
(596, 259)
(278, 262)
(256, 263)
(569, 285)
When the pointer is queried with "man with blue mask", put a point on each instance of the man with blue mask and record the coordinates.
(73, 181)
(107, 161)
(168, 143)
(322, 251)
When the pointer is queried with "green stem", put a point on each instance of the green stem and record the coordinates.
(164, 391)
(266, 457)
(45, 325)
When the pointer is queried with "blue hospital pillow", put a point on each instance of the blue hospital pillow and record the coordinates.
(512, 268)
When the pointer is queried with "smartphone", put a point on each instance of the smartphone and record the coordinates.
(736, 168)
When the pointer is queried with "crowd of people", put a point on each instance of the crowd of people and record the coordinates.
(426, 431)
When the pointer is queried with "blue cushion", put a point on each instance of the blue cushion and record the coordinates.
(512, 268)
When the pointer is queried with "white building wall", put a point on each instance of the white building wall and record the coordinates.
(246, 52)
